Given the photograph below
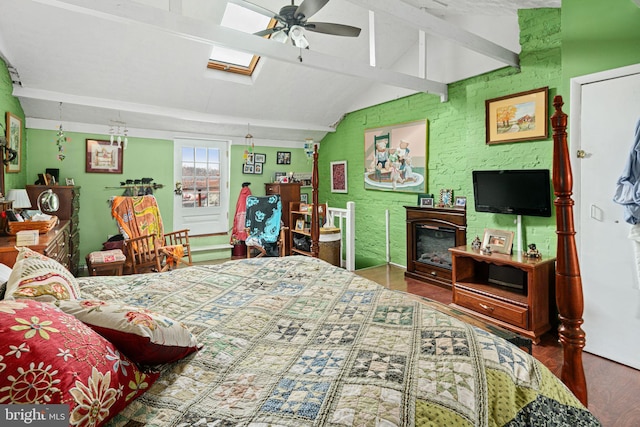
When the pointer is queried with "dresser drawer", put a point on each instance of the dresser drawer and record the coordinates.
(271, 189)
(510, 313)
(57, 249)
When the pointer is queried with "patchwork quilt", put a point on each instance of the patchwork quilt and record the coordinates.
(295, 341)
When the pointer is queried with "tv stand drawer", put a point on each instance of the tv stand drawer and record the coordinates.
(500, 310)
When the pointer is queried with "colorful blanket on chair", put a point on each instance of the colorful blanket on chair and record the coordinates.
(137, 216)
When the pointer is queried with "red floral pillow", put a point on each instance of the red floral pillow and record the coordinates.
(144, 336)
(47, 356)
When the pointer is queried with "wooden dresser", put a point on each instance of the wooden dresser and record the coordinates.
(69, 210)
(288, 193)
(54, 244)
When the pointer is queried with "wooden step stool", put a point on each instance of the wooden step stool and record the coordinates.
(105, 263)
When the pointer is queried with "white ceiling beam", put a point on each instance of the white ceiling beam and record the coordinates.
(208, 33)
(172, 113)
(637, 2)
(430, 24)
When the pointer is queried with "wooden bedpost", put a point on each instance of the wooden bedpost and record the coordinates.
(568, 282)
(315, 222)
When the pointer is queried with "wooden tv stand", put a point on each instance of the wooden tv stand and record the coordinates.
(527, 311)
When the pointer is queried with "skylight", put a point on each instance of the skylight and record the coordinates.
(241, 19)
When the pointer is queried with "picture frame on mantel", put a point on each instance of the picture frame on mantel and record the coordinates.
(522, 116)
(103, 157)
(14, 140)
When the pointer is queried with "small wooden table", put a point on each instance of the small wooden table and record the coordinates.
(109, 268)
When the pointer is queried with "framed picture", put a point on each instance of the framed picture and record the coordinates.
(278, 175)
(300, 224)
(339, 177)
(421, 197)
(498, 240)
(461, 202)
(395, 157)
(14, 140)
(283, 157)
(43, 179)
(257, 168)
(259, 158)
(304, 207)
(249, 160)
(426, 202)
(446, 197)
(102, 157)
(69, 181)
(519, 117)
(247, 168)
(304, 197)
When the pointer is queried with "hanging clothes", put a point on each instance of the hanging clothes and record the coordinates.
(628, 186)
(239, 232)
(628, 195)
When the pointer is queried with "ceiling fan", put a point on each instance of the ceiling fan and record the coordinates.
(292, 21)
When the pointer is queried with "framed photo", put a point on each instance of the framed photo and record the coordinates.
(395, 157)
(421, 197)
(278, 175)
(247, 168)
(522, 116)
(257, 168)
(259, 158)
(304, 197)
(102, 157)
(300, 224)
(426, 202)
(14, 140)
(43, 179)
(446, 198)
(283, 157)
(304, 207)
(461, 202)
(249, 159)
(69, 181)
(499, 241)
(339, 177)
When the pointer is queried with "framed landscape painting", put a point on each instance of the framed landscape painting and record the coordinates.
(519, 117)
(103, 157)
(14, 141)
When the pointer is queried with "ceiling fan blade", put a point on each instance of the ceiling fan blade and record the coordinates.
(267, 32)
(309, 7)
(334, 29)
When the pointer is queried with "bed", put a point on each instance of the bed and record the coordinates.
(290, 341)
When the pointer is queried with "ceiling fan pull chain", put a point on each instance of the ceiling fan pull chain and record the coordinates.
(300, 56)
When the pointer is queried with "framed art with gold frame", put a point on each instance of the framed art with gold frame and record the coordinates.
(14, 141)
(521, 116)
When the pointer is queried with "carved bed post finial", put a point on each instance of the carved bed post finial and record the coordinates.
(315, 221)
(569, 296)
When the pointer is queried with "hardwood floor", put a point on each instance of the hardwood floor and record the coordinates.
(613, 389)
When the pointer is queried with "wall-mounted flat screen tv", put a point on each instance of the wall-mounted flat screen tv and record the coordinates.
(517, 192)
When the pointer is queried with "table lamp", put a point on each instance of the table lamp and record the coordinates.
(20, 199)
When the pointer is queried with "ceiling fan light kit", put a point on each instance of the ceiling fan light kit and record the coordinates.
(292, 23)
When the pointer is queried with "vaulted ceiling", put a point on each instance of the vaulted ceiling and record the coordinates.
(144, 63)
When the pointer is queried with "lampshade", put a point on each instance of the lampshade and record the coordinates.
(20, 198)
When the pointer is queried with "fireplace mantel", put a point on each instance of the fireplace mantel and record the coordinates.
(430, 232)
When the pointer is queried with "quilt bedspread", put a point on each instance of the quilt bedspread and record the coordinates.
(295, 341)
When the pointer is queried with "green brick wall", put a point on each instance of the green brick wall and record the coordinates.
(456, 146)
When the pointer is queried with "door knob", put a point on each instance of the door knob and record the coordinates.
(581, 154)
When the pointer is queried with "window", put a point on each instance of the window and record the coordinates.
(241, 19)
(201, 168)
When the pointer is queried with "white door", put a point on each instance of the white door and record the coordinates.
(610, 110)
(201, 167)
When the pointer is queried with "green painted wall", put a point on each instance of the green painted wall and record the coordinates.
(598, 35)
(456, 146)
(143, 158)
(10, 103)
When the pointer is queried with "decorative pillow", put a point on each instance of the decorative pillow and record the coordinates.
(144, 336)
(37, 276)
(48, 356)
